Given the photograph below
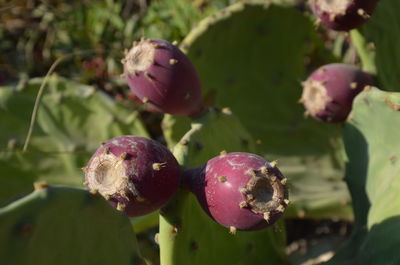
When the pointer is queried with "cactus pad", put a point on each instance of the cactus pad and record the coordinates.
(382, 33)
(373, 170)
(73, 120)
(60, 225)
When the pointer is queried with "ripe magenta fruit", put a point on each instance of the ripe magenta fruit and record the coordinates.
(241, 191)
(135, 174)
(328, 92)
(343, 14)
(163, 78)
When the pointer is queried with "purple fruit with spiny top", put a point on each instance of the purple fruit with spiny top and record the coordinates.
(135, 174)
(328, 93)
(241, 191)
(163, 78)
(343, 15)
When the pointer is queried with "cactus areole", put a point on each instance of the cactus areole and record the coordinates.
(328, 92)
(343, 14)
(241, 191)
(163, 78)
(135, 174)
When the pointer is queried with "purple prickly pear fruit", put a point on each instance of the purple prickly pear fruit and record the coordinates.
(163, 78)
(240, 191)
(328, 92)
(343, 15)
(135, 174)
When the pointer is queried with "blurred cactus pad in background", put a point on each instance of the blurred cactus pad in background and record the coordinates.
(218, 132)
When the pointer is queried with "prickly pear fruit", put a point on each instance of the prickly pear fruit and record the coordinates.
(163, 77)
(135, 174)
(329, 91)
(343, 14)
(241, 191)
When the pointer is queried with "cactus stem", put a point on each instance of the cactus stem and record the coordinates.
(172, 61)
(120, 206)
(40, 185)
(158, 166)
(232, 230)
(243, 204)
(222, 179)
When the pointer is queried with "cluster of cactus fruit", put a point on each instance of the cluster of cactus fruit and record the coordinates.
(139, 175)
(239, 190)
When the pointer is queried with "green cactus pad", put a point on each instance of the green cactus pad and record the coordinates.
(373, 150)
(382, 34)
(173, 19)
(73, 120)
(251, 58)
(187, 234)
(64, 226)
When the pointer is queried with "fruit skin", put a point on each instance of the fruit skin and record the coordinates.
(163, 78)
(222, 189)
(355, 14)
(135, 174)
(333, 87)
